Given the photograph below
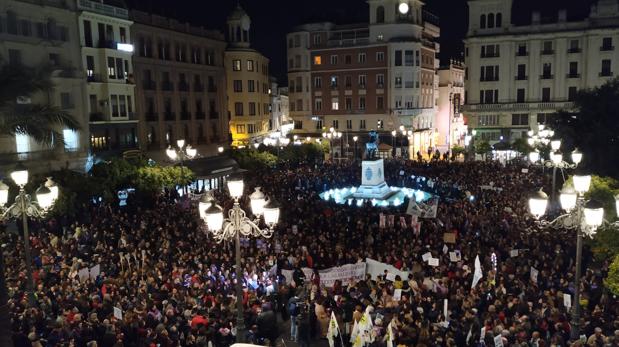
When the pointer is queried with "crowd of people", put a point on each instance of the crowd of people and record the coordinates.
(136, 276)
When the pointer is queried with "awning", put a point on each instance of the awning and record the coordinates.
(213, 167)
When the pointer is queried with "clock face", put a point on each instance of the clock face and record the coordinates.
(368, 174)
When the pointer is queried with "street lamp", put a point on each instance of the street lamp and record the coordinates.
(237, 224)
(183, 153)
(354, 139)
(585, 217)
(556, 158)
(25, 207)
(393, 135)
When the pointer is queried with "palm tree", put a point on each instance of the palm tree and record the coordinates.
(42, 122)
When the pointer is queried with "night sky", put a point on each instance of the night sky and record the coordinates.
(272, 19)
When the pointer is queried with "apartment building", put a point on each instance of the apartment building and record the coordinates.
(449, 119)
(523, 67)
(180, 84)
(107, 50)
(248, 83)
(379, 75)
(40, 34)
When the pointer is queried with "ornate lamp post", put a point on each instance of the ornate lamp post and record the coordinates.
(25, 207)
(582, 216)
(182, 153)
(355, 139)
(237, 224)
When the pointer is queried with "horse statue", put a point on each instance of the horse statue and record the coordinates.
(371, 147)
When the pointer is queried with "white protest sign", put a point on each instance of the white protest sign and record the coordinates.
(513, 253)
(375, 268)
(445, 311)
(95, 271)
(534, 274)
(83, 274)
(525, 170)
(342, 273)
(567, 300)
(445, 249)
(397, 294)
(118, 313)
(390, 276)
(426, 256)
(498, 341)
(453, 257)
(433, 261)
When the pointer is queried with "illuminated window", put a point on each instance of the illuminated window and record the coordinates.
(335, 104)
(22, 143)
(317, 60)
(236, 65)
(71, 140)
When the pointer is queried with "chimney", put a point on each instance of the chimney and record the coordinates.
(562, 15)
(535, 17)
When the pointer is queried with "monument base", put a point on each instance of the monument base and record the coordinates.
(380, 191)
(373, 185)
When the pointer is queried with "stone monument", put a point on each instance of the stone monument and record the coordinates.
(373, 185)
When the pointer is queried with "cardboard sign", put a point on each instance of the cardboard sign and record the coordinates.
(118, 313)
(449, 237)
(390, 276)
(445, 249)
(433, 261)
(513, 253)
(426, 256)
(567, 300)
(534, 273)
(397, 295)
(453, 257)
(525, 170)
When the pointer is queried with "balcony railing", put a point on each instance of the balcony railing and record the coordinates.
(521, 78)
(531, 106)
(573, 75)
(547, 76)
(212, 88)
(94, 78)
(183, 86)
(97, 117)
(198, 87)
(185, 115)
(548, 51)
(213, 115)
(605, 73)
(607, 48)
(169, 116)
(167, 86)
(522, 53)
(200, 115)
(574, 50)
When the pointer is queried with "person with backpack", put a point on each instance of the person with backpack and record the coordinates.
(293, 310)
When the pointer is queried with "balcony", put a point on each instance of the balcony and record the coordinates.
(380, 86)
(519, 107)
(521, 78)
(200, 115)
(361, 86)
(183, 86)
(490, 55)
(548, 52)
(198, 87)
(546, 76)
(110, 44)
(607, 48)
(606, 74)
(212, 88)
(151, 116)
(185, 115)
(213, 115)
(167, 86)
(149, 85)
(573, 75)
(489, 79)
(409, 84)
(169, 116)
(97, 117)
(522, 53)
(574, 50)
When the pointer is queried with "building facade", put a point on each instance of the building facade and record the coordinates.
(45, 34)
(248, 84)
(180, 84)
(522, 70)
(280, 109)
(107, 50)
(379, 75)
(449, 120)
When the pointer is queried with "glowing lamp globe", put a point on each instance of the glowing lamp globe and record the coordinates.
(171, 153)
(257, 201)
(213, 215)
(235, 186)
(582, 183)
(538, 203)
(403, 8)
(555, 144)
(20, 175)
(180, 143)
(534, 156)
(616, 204)
(556, 158)
(4, 193)
(52, 187)
(191, 152)
(576, 156)
(45, 197)
(271, 213)
(594, 214)
(568, 198)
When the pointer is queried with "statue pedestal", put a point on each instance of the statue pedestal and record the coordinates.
(373, 185)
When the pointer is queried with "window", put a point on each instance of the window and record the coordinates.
(90, 66)
(362, 124)
(240, 128)
(71, 140)
(333, 81)
(380, 80)
(362, 81)
(574, 46)
(238, 108)
(482, 21)
(544, 118)
(318, 82)
(335, 104)
(319, 124)
(65, 101)
(120, 71)
(571, 93)
(252, 108)
(489, 96)
(547, 71)
(417, 58)
(547, 47)
(607, 44)
(349, 124)
(545, 94)
(573, 69)
(488, 119)
(348, 81)
(520, 119)
(238, 86)
(522, 50)
(361, 58)
(318, 105)
(348, 103)
(606, 68)
(408, 58)
(521, 75)
(252, 128)
(236, 65)
(298, 125)
(317, 60)
(250, 65)
(490, 23)
(114, 99)
(380, 56)
(251, 86)
(398, 82)
(398, 58)
(334, 60)
(22, 143)
(87, 34)
(520, 95)
(380, 14)
(317, 39)
(499, 20)
(380, 103)
(111, 67)
(362, 103)
(379, 124)
(123, 105)
(348, 59)
(336, 124)
(14, 57)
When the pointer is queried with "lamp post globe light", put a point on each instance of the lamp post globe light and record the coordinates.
(25, 207)
(182, 153)
(236, 224)
(584, 217)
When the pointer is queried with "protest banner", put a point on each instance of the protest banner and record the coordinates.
(375, 268)
(449, 237)
(382, 221)
(391, 220)
(403, 222)
(343, 273)
(426, 256)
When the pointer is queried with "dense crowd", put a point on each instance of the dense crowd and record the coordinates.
(161, 281)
